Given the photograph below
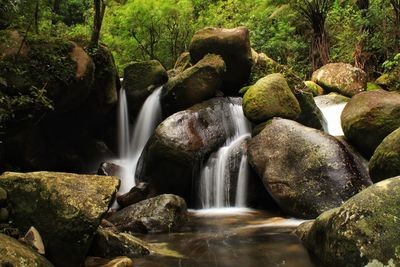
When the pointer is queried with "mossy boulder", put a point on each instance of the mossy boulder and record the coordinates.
(369, 117)
(341, 78)
(363, 230)
(234, 47)
(140, 80)
(314, 88)
(264, 65)
(108, 243)
(305, 170)
(183, 62)
(373, 86)
(14, 253)
(390, 80)
(65, 208)
(3, 197)
(311, 115)
(180, 144)
(194, 85)
(270, 97)
(161, 214)
(385, 161)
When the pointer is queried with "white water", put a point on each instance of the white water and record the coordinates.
(130, 149)
(331, 113)
(215, 182)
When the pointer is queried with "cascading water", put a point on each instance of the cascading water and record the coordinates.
(131, 149)
(215, 181)
(331, 113)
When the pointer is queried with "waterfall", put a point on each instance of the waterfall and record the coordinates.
(215, 178)
(130, 149)
(331, 112)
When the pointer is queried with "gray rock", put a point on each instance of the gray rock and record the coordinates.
(306, 171)
(164, 213)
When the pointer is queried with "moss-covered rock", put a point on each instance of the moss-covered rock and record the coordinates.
(391, 80)
(369, 117)
(104, 262)
(65, 208)
(342, 78)
(14, 253)
(363, 230)
(373, 86)
(305, 170)
(270, 97)
(4, 215)
(108, 244)
(264, 65)
(385, 161)
(314, 88)
(180, 144)
(140, 80)
(194, 85)
(234, 47)
(183, 62)
(161, 214)
(311, 115)
(3, 197)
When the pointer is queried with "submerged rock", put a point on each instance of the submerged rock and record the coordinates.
(369, 117)
(234, 47)
(161, 214)
(195, 84)
(108, 244)
(173, 155)
(306, 171)
(363, 230)
(14, 253)
(140, 79)
(65, 208)
(270, 97)
(385, 161)
(101, 262)
(342, 78)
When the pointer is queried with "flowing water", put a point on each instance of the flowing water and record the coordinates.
(331, 113)
(230, 237)
(130, 149)
(215, 180)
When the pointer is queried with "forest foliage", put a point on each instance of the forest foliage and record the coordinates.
(302, 34)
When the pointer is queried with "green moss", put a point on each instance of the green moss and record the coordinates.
(373, 86)
(314, 88)
(26, 90)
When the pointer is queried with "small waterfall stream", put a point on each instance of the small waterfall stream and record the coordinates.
(331, 112)
(215, 181)
(130, 149)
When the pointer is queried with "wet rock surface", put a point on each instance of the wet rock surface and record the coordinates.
(306, 171)
(164, 213)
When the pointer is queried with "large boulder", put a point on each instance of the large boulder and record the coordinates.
(140, 80)
(65, 208)
(369, 117)
(363, 230)
(342, 78)
(14, 253)
(306, 171)
(161, 214)
(194, 85)
(385, 161)
(270, 97)
(234, 47)
(173, 155)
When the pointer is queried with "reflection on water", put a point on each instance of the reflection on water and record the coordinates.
(231, 237)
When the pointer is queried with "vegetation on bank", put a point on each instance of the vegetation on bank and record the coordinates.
(303, 34)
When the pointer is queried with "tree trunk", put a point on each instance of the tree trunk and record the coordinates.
(360, 56)
(56, 11)
(396, 8)
(99, 10)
